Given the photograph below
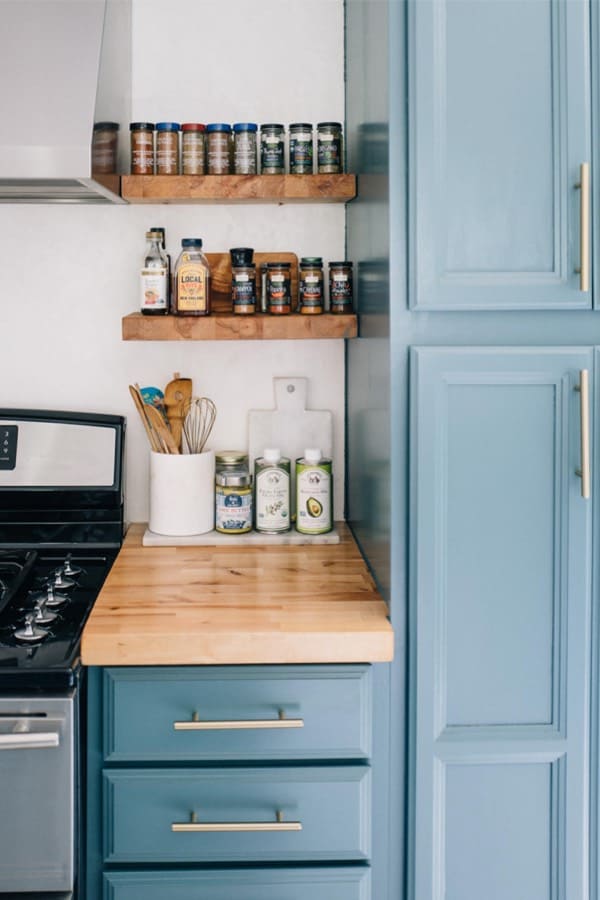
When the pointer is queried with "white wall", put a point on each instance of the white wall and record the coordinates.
(69, 274)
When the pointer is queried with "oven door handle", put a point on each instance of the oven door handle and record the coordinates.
(29, 740)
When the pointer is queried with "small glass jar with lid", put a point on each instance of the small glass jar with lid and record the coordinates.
(245, 153)
(167, 148)
(340, 287)
(142, 148)
(329, 148)
(233, 492)
(279, 288)
(193, 150)
(218, 148)
(105, 142)
(243, 281)
(301, 149)
(310, 285)
(272, 150)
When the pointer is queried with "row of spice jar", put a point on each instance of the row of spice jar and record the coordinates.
(187, 292)
(222, 149)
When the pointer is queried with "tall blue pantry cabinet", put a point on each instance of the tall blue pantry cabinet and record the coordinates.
(473, 125)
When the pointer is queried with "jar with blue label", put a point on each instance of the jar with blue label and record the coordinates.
(233, 493)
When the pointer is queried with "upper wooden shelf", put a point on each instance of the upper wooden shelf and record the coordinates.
(231, 188)
(230, 326)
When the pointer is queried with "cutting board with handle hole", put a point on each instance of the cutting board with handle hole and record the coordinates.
(290, 426)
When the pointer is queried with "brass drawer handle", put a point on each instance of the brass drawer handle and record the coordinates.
(584, 471)
(196, 724)
(195, 826)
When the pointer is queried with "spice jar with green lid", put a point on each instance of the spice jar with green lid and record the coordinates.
(310, 285)
(329, 148)
(272, 160)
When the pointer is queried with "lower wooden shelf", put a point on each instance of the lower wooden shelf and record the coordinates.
(230, 326)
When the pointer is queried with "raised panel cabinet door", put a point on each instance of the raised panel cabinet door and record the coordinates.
(499, 128)
(499, 624)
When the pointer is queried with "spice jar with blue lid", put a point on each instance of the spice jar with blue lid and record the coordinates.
(245, 155)
(167, 148)
(218, 148)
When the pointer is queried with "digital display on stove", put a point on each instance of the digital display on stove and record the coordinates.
(8, 447)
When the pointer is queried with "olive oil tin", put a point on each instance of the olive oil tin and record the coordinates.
(314, 493)
(272, 492)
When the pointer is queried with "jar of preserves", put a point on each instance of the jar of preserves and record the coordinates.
(193, 150)
(233, 492)
(272, 157)
(279, 288)
(329, 148)
(301, 149)
(340, 287)
(218, 148)
(244, 148)
(310, 285)
(105, 141)
(167, 148)
(154, 277)
(192, 280)
(142, 148)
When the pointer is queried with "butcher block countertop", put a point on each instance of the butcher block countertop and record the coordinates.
(237, 605)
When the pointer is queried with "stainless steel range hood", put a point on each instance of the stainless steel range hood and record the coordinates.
(64, 65)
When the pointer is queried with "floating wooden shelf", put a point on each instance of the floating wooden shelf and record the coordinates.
(231, 327)
(231, 188)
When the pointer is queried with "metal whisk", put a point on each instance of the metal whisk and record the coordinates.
(199, 415)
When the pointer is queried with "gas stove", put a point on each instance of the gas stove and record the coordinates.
(45, 599)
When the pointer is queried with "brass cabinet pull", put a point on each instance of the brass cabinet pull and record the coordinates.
(195, 826)
(196, 724)
(584, 227)
(584, 471)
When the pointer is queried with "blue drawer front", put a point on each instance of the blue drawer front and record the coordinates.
(331, 802)
(341, 883)
(141, 706)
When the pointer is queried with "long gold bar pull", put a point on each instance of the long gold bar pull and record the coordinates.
(196, 724)
(584, 227)
(584, 401)
(195, 826)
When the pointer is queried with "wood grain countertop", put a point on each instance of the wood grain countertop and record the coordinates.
(237, 605)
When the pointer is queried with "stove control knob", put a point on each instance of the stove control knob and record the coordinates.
(61, 581)
(43, 616)
(69, 569)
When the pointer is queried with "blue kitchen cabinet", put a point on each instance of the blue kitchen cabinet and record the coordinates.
(500, 636)
(498, 128)
(230, 781)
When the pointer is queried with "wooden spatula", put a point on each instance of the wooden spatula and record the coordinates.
(178, 394)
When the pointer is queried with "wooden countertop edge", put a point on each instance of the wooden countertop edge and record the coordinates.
(172, 622)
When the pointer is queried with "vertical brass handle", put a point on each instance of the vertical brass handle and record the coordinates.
(584, 471)
(584, 226)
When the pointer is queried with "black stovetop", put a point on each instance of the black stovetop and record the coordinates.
(42, 655)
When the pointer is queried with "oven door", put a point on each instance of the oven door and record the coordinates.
(37, 802)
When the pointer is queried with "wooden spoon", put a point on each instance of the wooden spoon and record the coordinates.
(178, 394)
(163, 431)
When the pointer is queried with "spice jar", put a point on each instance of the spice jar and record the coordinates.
(244, 148)
(105, 141)
(233, 493)
(193, 148)
(340, 287)
(243, 281)
(329, 148)
(279, 288)
(310, 285)
(142, 148)
(301, 149)
(192, 280)
(167, 148)
(272, 149)
(218, 148)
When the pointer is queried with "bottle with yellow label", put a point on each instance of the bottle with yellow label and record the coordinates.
(192, 280)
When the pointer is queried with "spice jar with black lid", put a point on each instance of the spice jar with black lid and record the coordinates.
(193, 150)
(340, 287)
(301, 149)
(105, 140)
(218, 148)
(279, 288)
(167, 148)
(329, 148)
(243, 281)
(310, 285)
(244, 148)
(142, 148)
(272, 155)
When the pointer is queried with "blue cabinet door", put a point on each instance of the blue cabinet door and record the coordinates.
(499, 125)
(500, 609)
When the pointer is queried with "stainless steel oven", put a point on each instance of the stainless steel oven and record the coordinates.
(61, 526)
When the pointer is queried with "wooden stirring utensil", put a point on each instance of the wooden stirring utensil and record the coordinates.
(163, 431)
(178, 394)
(140, 406)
